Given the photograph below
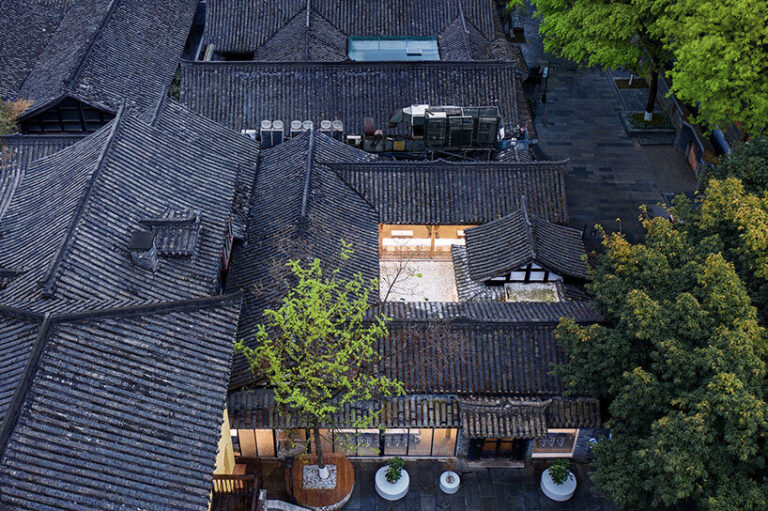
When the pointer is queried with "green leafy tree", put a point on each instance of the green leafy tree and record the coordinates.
(7, 118)
(681, 360)
(720, 62)
(610, 33)
(732, 214)
(317, 351)
(748, 162)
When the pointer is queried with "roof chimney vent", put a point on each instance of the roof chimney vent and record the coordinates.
(143, 249)
(296, 128)
(278, 131)
(266, 134)
(338, 130)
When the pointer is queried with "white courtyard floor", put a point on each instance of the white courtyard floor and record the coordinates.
(417, 280)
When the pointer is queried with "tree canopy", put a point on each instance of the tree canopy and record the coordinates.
(317, 351)
(606, 33)
(7, 118)
(749, 163)
(681, 358)
(720, 63)
(715, 51)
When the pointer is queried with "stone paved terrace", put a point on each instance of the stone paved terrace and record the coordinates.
(482, 489)
(610, 174)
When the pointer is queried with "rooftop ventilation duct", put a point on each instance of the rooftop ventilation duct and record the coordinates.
(143, 249)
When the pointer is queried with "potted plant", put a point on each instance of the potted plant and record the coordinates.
(558, 482)
(392, 480)
(449, 479)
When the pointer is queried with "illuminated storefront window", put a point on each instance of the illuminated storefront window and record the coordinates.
(557, 444)
(444, 442)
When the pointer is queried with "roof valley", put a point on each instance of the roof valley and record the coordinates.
(13, 411)
(96, 33)
(48, 285)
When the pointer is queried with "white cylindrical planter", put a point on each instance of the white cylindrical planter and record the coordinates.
(389, 491)
(449, 482)
(558, 492)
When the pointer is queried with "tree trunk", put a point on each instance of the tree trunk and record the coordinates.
(318, 447)
(652, 91)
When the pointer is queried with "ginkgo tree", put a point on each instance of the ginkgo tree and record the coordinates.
(318, 350)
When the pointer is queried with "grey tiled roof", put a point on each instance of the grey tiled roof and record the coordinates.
(256, 408)
(496, 248)
(17, 152)
(103, 52)
(503, 418)
(242, 94)
(521, 417)
(70, 220)
(123, 408)
(463, 193)
(18, 332)
(300, 209)
(467, 288)
(302, 30)
(524, 313)
(473, 358)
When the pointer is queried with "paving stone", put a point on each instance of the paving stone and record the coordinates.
(427, 503)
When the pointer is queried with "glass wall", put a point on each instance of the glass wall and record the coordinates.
(557, 444)
(420, 442)
(396, 442)
(444, 442)
(267, 443)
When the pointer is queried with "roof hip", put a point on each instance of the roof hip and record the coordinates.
(49, 284)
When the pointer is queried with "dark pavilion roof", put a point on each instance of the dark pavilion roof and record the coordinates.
(242, 94)
(486, 366)
(122, 408)
(101, 52)
(464, 193)
(509, 243)
(312, 31)
(17, 152)
(300, 209)
(67, 228)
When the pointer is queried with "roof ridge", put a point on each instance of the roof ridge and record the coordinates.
(22, 388)
(465, 33)
(149, 308)
(49, 282)
(88, 49)
(517, 165)
(29, 72)
(308, 174)
(307, 30)
(528, 227)
(158, 107)
(484, 64)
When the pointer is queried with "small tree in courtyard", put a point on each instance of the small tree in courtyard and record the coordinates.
(318, 350)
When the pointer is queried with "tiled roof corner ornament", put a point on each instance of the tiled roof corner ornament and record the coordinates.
(143, 249)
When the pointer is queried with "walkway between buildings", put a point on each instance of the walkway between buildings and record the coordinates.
(481, 489)
(610, 174)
